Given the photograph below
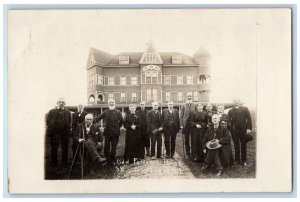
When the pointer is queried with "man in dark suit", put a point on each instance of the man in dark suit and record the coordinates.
(239, 122)
(154, 128)
(77, 118)
(141, 113)
(185, 118)
(114, 121)
(171, 125)
(58, 129)
(91, 137)
(219, 150)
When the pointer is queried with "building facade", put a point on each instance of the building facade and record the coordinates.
(132, 77)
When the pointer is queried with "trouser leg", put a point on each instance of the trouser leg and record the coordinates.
(167, 141)
(91, 150)
(54, 148)
(107, 149)
(114, 144)
(243, 151)
(65, 150)
(153, 143)
(209, 159)
(173, 142)
(236, 142)
(159, 144)
(217, 161)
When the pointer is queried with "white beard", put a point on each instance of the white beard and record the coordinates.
(111, 107)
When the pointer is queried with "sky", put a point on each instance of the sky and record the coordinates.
(48, 50)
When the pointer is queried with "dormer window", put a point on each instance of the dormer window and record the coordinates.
(123, 59)
(176, 59)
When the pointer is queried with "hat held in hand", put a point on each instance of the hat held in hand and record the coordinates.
(213, 144)
(248, 137)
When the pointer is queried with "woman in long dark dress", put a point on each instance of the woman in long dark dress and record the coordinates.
(133, 139)
(199, 125)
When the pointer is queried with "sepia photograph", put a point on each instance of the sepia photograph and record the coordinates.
(158, 95)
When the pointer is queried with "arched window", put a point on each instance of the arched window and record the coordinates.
(91, 98)
(101, 97)
(202, 78)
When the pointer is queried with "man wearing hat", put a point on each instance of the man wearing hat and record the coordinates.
(58, 129)
(216, 144)
(240, 125)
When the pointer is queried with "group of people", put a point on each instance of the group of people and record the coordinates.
(207, 134)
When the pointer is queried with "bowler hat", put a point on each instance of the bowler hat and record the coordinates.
(213, 144)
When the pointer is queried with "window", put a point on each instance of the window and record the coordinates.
(150, 57)
(202, 79)
(195, 96)
(110, 96)
(123, 60)
(189, 79)
(101, 97)
(134, 80)
(179, 97)
(167, 96)
(91, 98)
(148, 77)
(91, 80)
(154, 94)
(99, 79)
(123, 81)
(134, 99)
(148, 94)
(176, 59)
(179, 79)
(111, 81)
(167, 80)
(123, 97)
(154, 77)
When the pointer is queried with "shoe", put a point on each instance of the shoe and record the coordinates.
(245, 164)
(153, 158)
(159, 157)
(92, 172)
(167, 157)
(100, 162)
(219, 173)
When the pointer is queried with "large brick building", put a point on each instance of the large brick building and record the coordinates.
(131, 77)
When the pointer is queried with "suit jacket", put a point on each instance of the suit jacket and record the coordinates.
(222, 134)
(142, 115)
(76, 119)
(185, 113)
(239, 119)
(51, 119)
(113, 122)
(94, 132)
(199, 118)
(154, 121)
(170, 120)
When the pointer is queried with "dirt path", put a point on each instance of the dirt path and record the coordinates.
(156, 169)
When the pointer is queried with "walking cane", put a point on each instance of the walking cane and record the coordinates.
(73, 161)
(82, 155)
(183, 144)
(163, 142)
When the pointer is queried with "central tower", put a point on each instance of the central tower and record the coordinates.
(151, 74)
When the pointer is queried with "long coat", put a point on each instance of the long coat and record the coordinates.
(169, 119)
(198, 118)
(133, 141)
(239, 118)
(51, 119)
(222, 134)
(145, 136)
(77, 119)
(114, 122)
(185, 116)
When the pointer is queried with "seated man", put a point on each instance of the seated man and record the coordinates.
(217, 142)
(91, 137)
